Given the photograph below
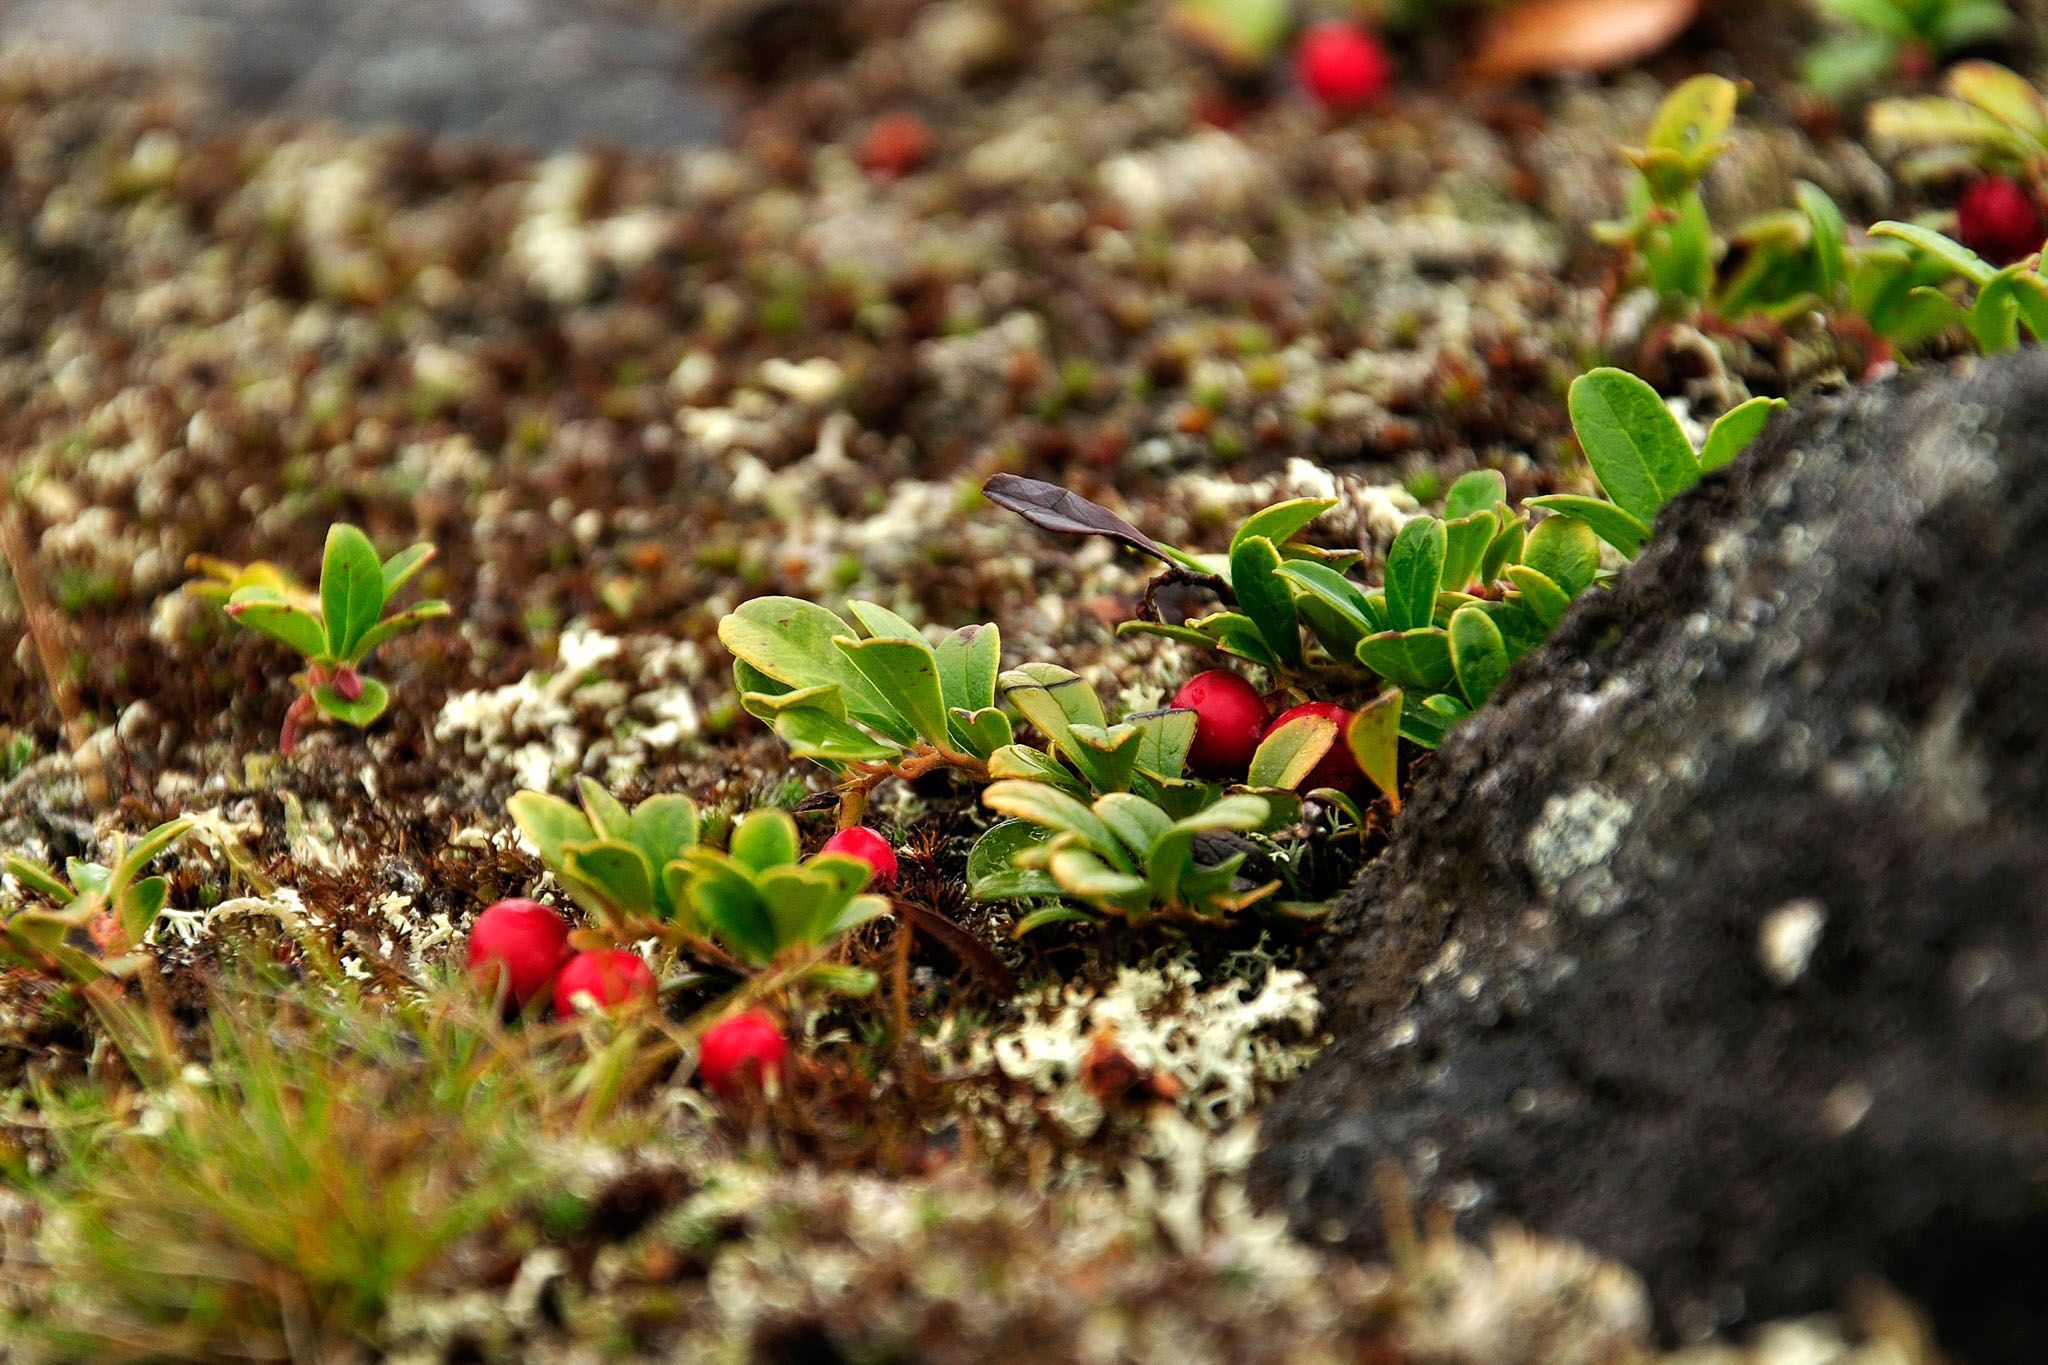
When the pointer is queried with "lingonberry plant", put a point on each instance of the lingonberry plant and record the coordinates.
(109, 906)
(2005, 299)
(1121, 855)
(335, 629)
(644, 874)
(1876, 40)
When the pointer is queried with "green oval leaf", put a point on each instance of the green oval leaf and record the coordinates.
(1374, 738)
(351, 588)
(1564, 550)
(1291, 752)
(1609, 522)
(1415, 569)
(1478, 653)
(1636, 447)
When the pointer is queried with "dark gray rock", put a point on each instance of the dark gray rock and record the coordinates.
(544, 73)
(1720, 940)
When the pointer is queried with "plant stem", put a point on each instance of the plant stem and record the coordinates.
(45, 630)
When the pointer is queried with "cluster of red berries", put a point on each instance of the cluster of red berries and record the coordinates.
(1231, 718)
(523, 947)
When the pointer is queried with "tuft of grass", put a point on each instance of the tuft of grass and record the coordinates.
(272, 1201)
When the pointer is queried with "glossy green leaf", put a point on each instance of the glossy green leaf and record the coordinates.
(2000, 92)
(1105, 758)
(608, 815)
(1051, 914)
(264, 610)
(1164, 738)
(663, 828)
(994, 856)
(394, 624)
(764, 838)
(1505, 550)
(399, 569)
(1373, 736)
(1482, 490)
(1086, 876)
(1290, 752)
(1265, 597)
(351, 588)
(361, 710)
(1046, 805)
(1135, 821)
(1415, 567)
(790, 640)
(1693, 121)
(1636, 447)
(36, 877)
(982, 732)
(1171, 858)
(1564, 550)
(549, 823)
(616, 871)
(1947, 251)
(969, 663)
(1279, 522)
(1465, 544)
(814, 733)
(1025, 764)
(1624, 532)
(1417, 660)
(906, 674)
(1734, 430)
(726, 903)
(879, 621)
(1830, 237)
(1543, 598)
(1478, 654)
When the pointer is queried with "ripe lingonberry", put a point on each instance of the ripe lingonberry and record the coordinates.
(1229, 717)
(896, 145)
(520, 941)
(1338, 768)
(871, 848)
(1998, 220)
(602, 980)
(743, 1050)
(1342, 65)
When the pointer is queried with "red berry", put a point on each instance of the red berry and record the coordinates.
(1342, 65)
(743, 1050)
(1998, 220)
(871, 848)
(1338, 768)
(519, 940)
(1229, 715)
(601, 981)
(896, 145)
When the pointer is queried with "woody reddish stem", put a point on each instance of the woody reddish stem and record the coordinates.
(45, 630)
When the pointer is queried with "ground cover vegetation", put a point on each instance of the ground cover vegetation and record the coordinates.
(986, 555)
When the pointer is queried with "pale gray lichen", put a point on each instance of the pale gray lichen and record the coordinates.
(1577, 831)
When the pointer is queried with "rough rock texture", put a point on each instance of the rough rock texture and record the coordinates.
(1730, 915)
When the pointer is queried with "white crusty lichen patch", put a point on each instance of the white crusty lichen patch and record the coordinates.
(1577, 832)
(1222, 1049)
(608, 705)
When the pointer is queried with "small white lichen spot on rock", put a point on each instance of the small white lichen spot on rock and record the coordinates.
(1786, 939)
(1577, 830)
